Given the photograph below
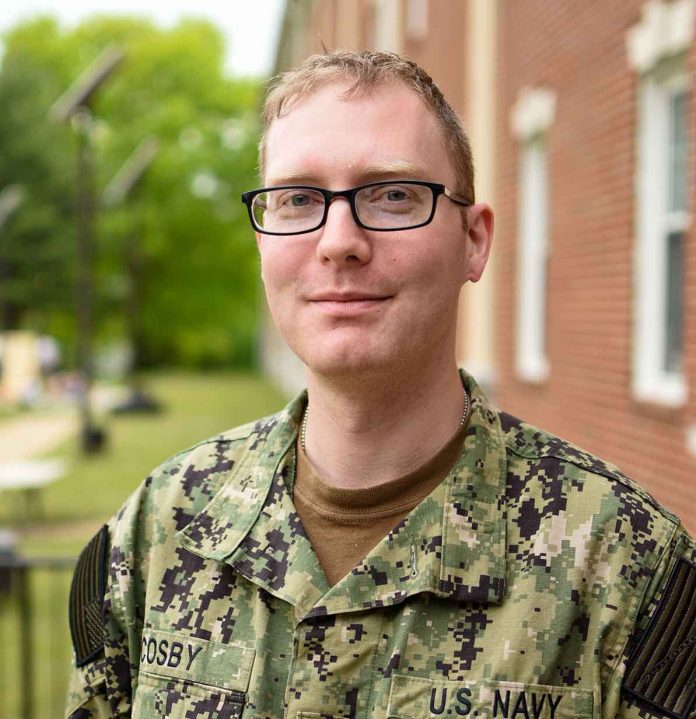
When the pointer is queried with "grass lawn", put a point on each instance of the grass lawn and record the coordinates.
(195, 407)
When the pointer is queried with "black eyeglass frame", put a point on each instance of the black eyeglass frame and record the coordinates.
(330, 195)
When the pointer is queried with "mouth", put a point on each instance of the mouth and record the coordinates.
(348, 303)
(347, 297)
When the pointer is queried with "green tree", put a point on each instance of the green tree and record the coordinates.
(36, 252)
(195, 269)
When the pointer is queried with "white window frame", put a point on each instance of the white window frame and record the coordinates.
(530, 119)
(651, 380)
(417, 19)
(388, 21)
(532, 362)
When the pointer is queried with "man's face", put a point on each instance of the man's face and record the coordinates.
(350, 300)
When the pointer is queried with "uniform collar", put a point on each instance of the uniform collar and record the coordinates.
(452, 545)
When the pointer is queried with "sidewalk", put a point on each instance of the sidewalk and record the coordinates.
(30, 436)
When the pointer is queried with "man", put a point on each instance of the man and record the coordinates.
(388, 545)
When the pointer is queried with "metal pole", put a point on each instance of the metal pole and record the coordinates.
(55, 646)
(11, 198)
(124, 184)
(73, 105)
(82, 122)
(25, 637)
(5, 607)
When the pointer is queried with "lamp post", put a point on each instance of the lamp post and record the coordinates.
(123, 185)
(11, 197)
(74, 106)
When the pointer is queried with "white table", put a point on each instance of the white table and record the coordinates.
(29, 477)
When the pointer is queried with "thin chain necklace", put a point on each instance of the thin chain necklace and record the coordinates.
(303, 428)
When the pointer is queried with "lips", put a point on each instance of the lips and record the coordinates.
(347, 304)
(347, 297)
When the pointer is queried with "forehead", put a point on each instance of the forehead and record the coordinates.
(329, 136)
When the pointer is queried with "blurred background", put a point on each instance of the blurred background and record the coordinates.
(132, 321)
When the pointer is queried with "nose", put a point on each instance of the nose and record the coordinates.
(342, 241)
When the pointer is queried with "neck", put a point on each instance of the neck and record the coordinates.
(365, 432)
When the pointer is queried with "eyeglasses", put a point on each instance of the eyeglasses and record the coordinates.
(382, 206)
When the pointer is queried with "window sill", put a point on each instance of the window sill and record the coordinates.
(667, 392)
(533, 373)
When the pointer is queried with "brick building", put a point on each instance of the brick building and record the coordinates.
(582, 122)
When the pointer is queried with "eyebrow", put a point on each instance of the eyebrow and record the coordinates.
(402, 168)
(373, 171)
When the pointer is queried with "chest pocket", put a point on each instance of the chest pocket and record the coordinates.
(182, 677)
(414, 698)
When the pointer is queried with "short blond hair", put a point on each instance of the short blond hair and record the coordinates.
(365, 70)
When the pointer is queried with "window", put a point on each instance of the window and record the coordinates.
(531, 118)
(676, 221)
(417, 19)
(662, 221)
(657, 47)
(387, 25)
(531, 360)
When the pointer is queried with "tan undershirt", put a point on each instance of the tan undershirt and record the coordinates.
(343, 525)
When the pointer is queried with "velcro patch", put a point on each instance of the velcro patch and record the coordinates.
(662, 669)
(87, 599)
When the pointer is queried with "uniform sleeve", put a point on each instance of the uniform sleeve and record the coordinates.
(659, 677)
(100, 682)
(106, 600)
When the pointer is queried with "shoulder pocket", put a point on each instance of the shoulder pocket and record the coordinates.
(414, 698)
(182, 676)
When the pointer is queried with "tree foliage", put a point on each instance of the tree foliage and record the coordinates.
(196, 259)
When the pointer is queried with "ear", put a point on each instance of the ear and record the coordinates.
(479, 238)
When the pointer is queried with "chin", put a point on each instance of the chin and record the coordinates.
(343, 366)
(345, 361)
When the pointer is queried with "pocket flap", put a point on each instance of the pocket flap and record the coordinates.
(180, 656)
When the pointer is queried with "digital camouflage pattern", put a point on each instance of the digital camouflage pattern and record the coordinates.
(516, 590)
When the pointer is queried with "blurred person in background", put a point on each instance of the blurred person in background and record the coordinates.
(389, 544)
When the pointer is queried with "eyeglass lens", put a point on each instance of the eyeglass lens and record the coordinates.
(382, 207)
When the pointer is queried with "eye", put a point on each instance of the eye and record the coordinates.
(389, 193)
(395, 195)
(299, 200)
(296, 199)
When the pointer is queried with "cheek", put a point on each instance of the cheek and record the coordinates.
(273, 284)
(282, 282)
(441, 274)
(276, 268)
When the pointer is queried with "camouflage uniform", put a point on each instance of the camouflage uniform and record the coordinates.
(523, 587)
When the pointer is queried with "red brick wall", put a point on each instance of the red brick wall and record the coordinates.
(579, 51)
(441, 51)
(324, 30)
